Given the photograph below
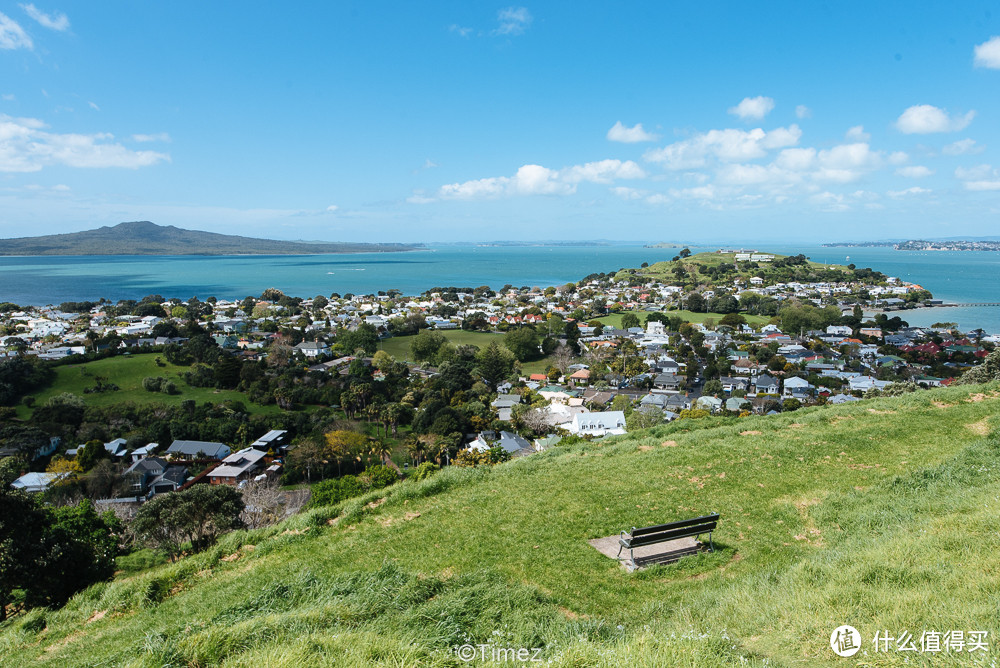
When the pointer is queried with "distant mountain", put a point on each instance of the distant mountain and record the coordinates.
(146, 238)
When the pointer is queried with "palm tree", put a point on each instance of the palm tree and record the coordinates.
(382, 450)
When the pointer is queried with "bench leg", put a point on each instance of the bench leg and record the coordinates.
(711, 545)
(619, 555)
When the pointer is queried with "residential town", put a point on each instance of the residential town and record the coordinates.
(615, 352)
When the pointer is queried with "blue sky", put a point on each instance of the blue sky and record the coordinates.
(473, 121)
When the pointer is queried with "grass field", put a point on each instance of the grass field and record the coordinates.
(399, 346)
(881, 514)
(615, 319)
(127, 372)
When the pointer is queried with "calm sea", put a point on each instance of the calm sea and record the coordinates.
(952, 276)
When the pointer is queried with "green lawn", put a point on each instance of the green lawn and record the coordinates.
(127, 372)
(881, 514)
(399, 346)
(615, 319)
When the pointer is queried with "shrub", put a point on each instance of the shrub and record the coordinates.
(335, 490)
(425, 470)
(378, 476)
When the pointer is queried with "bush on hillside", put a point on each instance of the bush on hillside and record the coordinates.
(425, 470)
(988, 371)
(378, 476)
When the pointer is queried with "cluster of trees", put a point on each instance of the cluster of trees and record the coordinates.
(47, 554)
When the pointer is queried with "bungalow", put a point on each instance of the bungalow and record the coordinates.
(797, 387)
(36, 482)
(765, 384)
(708, 403)
(737, 404)
(669, 381)
(197, 450)
(153, 475)
(729, 384)
(237, 467)
(313, 348)
(597, 424)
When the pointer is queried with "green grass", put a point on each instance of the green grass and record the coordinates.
(127, 372)
(399, 346)
(615, 319)
(881, 514)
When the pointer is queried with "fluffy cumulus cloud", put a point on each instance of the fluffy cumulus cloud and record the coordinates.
(54, 21)
(513, 21)
(925, 119)
(988, 53)
(753, 108)
(602, 171)
(914, 171)
(27, 146)
(539, 180)
(12, 35)
(627, 135)
(728, 145)
(158, 137)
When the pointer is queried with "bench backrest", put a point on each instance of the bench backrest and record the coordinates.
(664, 532)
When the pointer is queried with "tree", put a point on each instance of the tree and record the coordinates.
(523, 342)
(494, 363)
(22, 533)
(644, 418)
(426, 344)
(309, 455)
(695, 302)
(713, 388)
(198, 515)
(629, 320)
(685, 252)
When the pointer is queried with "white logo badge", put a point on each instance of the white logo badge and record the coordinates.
(845, 640)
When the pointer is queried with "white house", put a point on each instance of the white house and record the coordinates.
(597, 424)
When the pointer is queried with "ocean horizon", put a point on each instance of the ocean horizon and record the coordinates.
(954, 276)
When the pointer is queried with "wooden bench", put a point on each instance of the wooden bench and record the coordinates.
(663, 533)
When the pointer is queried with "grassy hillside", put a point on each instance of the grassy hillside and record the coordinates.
(399, 346)
(127, 372)
(881, 514)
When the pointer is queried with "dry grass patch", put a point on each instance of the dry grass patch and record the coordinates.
(751, 432)
(981, 428)
(875, 411)
(668, 444)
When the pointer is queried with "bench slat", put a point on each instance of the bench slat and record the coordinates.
(675, 525)
(672, 534)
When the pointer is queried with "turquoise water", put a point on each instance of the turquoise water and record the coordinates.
(953, 276)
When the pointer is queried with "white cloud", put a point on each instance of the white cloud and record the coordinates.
(909, 191)
(628, 193)
(54, 21)
(627, 135)
(925, 119)
(12, 35)
(159, 137)
(513, 21)
(754, 108)
(8, 97)
(988, 53)
(729, 145)
(332, 208)
(857, 133)
(982, 185)
(802, 111)
(796, 159)
(603, 171)
(898, 157)
(25, 146)
(461, 30)
(914, 172)
(980, 177)
(976, 173)
(963, 147)
(93, 105)
(538, 180)
(701, 192)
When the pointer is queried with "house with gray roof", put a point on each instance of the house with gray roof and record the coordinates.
(198, 450)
